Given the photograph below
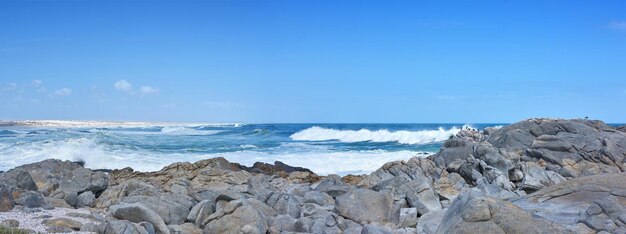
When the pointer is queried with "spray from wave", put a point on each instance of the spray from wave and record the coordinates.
(316, 133)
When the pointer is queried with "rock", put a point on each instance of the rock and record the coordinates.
(363, 205)
(90, 227)
(536, 177)
(18, 179)
(6, 199)
(473, 212)
(319, 198)
(279, 168)
(122, 227)
(201, 211)
(64, 222)
(139, 213)
(185, 228)
(429, 223)
(409, 170)
(86, 199)
(10, 223)
(29, 199)
(246, 215)
(52, 174)
(58, 229)
(70, 197)
(408, 217)
(132, 187)
(284, 203)
(450, 186)
(172, 208)
(56, 202)
(282, 223)
(590, 202)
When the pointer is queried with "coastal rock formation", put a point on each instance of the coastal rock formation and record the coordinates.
(535, 176)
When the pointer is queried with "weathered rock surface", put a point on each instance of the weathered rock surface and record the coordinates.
(474, 213)
(596, 202)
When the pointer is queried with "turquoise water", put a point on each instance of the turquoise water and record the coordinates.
(323, 148)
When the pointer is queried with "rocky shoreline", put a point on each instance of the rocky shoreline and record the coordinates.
(535, 176)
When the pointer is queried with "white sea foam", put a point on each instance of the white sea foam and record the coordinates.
(316, 133)
(100, 156)
(187, 131)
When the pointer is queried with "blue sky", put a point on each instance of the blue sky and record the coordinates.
(313, 61)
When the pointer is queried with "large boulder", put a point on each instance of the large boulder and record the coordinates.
(52, 174)
(138, 213)
(18, 178)
(364, 205)
(172, 208)
(473, 212)
(240, 216)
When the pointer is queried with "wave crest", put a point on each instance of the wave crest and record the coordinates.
(316, 133)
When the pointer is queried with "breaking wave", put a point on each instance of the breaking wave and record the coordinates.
(316, 133)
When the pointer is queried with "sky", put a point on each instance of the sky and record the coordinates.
(313, 61)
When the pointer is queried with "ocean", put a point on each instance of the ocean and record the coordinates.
(324, 148)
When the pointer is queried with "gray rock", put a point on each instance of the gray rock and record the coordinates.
(172, 208)
(248, 216)
(122, 227)
(86, 199)
(18, 179)
(31, 199)
(185, 228)
(429, 223)
(319, 198)
(408, 217)
(90, 227)
(363, 205)
(475, 213)
(284, 203)
(55, 202)
(590, 202)
(282, 223)
(53, 174)
(139, 213)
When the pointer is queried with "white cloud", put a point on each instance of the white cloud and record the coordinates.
(618, 25)
(62, 92)
(148, 90)
(123, 86)
(36, 83)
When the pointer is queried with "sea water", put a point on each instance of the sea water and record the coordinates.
(323, 148)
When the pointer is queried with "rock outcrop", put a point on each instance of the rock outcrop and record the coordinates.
(535, 176)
